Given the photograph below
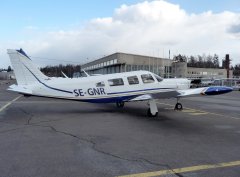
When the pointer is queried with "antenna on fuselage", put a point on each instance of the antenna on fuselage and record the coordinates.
(64, 74)
(86, 73)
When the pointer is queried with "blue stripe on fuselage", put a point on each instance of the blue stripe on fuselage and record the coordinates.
(111, 100)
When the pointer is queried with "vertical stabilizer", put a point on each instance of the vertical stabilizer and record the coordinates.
(25, 71)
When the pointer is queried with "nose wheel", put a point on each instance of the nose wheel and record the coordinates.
(178, 107)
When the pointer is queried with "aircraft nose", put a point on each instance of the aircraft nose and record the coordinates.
(218, 90)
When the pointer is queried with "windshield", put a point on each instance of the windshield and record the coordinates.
(159, 79)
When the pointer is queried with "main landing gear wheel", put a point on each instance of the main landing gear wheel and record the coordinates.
(149, 114)
(153, 110)
(120, 104)
(178, 107)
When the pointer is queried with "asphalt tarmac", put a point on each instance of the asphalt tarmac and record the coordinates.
(47, 137)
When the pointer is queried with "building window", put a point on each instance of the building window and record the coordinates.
(111, 62)
(147, 78)
(132, 80)
(134, 67)
(115, 82)
(115, 61)
(128, 68)
(146, 67)
(151, 68)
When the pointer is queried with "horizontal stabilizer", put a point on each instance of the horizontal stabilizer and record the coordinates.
(20, 89)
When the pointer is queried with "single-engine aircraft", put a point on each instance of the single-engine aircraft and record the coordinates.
(110, 88)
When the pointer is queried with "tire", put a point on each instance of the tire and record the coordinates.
(178, 106)
(150, 114)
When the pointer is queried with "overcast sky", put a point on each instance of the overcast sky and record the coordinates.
(54, 32)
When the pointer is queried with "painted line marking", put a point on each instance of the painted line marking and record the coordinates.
(184, 170)
(196, 110)
(39, 102)
(9, 103)
(188, 110)
(165, 104)
(168, 108)
(198, 113)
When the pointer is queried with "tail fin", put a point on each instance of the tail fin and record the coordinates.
(25, 71)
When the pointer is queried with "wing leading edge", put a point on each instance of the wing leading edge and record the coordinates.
(206, 91)
(214, 90)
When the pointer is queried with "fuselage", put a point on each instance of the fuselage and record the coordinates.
(118, 87)
(108, 88)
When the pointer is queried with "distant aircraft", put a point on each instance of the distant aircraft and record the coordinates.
(111, 88)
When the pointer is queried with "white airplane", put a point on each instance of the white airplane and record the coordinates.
(111, 88)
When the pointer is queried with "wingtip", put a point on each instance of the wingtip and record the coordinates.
(217, 90)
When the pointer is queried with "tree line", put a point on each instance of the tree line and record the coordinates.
(236, 70)
(199, 61)
(9, 69)
(206, 61)
(56, 71)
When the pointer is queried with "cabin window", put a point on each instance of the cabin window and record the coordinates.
(147, 78)
(100, 84)
(115, 82)
(159, 79)
(132, 80)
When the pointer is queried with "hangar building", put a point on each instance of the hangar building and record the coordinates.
(123, 62)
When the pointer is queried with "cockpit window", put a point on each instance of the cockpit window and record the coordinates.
(100, 84)
(132, 80)
(116, 82)
(147, 78)
(159, 79)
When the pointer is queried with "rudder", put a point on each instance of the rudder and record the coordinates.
(25, 71)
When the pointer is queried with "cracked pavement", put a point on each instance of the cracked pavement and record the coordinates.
(46, 137)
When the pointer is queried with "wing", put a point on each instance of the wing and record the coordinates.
(158, 95)
(215, 90)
